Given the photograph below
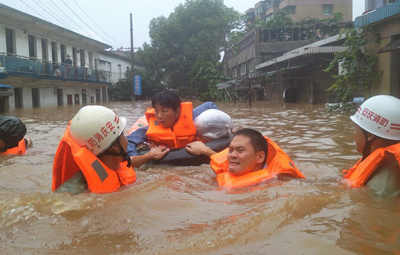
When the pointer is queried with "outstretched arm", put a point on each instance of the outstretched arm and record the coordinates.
(156, 153)
(199, 148)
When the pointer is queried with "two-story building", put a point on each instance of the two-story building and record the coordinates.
(33, 64)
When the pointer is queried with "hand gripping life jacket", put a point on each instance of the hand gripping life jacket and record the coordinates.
(19, 149)
(278, 162)
(70, 158)
(359, 174)
(182, 133)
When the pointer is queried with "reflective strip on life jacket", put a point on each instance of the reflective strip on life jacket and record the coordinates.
(70, 158)
(358, 175)
(182, 133)
(278, 162)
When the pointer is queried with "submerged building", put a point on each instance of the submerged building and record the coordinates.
(271, 59)
(33, 70)
(384, 18)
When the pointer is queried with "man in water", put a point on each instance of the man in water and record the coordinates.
(12, 136)
(92, 153)
(246, 161)
(170, 126)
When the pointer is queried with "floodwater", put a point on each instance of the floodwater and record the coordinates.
(180, 210)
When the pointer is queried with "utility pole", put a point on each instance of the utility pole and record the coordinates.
(132, 64)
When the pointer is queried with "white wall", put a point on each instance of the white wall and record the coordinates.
(114, 61)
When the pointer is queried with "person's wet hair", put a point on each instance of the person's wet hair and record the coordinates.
(167, 99)
(256, 140)
(12, 130)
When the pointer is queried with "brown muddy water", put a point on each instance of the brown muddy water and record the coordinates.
(180, 210)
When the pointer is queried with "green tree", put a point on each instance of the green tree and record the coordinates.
(205, 75)
(151, 70)
(122, 90)
(359, 65)
(194, 33)
(280, 19)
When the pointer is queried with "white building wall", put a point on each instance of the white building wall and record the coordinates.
(114, 62)
(47, 97)
(27, 97)
(46, 87)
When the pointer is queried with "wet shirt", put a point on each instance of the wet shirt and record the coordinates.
(139, 136)
(75, 185)
(385, 182)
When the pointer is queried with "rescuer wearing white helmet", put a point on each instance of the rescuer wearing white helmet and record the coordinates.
(98, 146)
(377, 137)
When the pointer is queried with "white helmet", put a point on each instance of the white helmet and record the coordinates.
(380, 115)
(96, 127)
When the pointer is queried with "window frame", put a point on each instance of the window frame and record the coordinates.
(327, 8)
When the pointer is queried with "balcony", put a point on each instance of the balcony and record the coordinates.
(284, 3)
(14, 65)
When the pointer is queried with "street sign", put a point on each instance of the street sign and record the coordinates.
(137, 84)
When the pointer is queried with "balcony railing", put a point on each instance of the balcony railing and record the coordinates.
(15, 65)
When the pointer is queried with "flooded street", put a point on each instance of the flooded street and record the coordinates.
(180, 210)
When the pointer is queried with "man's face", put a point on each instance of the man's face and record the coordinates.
(123, 141)
(166, 116)
(359, 138)
(242, 158)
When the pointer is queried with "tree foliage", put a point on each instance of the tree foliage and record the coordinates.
(359, 65)
(205, 75)
(192, 35)
(280, 19)
(122, 90)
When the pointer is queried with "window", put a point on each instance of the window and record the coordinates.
(234, 73)
(251, 66)
(327, 9)
(243, 69)
(119, 71)
(269, 17)
(291, 9)
(82, 57)
(90, 60)
(54, 55)
(32, 46)
(63, 52)
(10, 41)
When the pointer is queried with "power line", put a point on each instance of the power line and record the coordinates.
(51, 14)
(61, 13)
(83, 21)
(96, 24)
(35, 11)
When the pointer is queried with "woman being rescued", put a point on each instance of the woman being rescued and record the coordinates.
(92, 153)
(250, 159)
(377, 137)
(170, 126)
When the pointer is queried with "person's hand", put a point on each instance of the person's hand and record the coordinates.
(197, 148)
(29, 142)
(158, 152)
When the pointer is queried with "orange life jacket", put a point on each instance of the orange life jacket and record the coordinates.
(182, 133)
(71, 157)
(278, 162)
(19, 149)
(359, 174)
